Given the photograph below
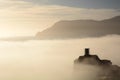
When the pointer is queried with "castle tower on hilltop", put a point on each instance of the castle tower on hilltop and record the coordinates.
(87, 52)
(87, 58)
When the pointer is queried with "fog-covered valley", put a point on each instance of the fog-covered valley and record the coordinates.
(52, 59)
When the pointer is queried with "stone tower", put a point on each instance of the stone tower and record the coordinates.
(87, 53)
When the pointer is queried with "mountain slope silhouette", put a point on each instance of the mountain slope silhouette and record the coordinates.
(81, 29)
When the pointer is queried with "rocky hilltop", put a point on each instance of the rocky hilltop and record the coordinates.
(107, 71)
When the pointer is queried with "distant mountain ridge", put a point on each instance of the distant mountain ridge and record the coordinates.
(72, 29)
(81, 29)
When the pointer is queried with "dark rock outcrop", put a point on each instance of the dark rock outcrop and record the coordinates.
(92, 60)
(107, 71)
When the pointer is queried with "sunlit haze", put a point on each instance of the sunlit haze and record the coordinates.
(59, 39)
(52, 60)
(26, 17)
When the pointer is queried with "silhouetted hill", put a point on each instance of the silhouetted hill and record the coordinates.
(81, 29)
(114, 19)
(106, 70)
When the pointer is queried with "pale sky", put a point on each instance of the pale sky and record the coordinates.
(27, 17)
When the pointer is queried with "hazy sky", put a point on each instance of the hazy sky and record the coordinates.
(110, 4)
(27, 17)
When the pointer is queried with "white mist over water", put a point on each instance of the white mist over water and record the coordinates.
(52, 59)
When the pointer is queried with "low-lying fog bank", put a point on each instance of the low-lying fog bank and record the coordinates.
(52, 59)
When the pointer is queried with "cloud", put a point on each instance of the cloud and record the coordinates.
(22, 15)
(96, 4)
(27, 8)
(18, 8)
